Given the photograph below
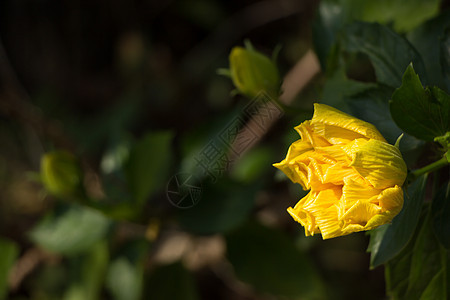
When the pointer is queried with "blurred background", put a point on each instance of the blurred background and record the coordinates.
(129, 91)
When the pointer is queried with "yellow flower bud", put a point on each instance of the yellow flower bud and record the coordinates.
(60, 173)
(353, 174)
(253, 72)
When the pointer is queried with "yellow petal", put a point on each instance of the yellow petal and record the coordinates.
(354, 191)
(324, 114)
(391, 199)
(302, 216)
(328, 223)
(380, 163)
(294, 170)
(307, 134)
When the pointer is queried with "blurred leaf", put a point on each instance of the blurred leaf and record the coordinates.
(445, 57)
(389, 53)
(423, 113)
(420, 270)
(149, 164)
(171, 282)
(270, 262)
(73, 230)
(388, 240)
(223, 205)
(253, 165)
(9, 252)
(426, 40)
(124, 279)
(88, 273)
(334, 14)
(440, 210)
(404, 16)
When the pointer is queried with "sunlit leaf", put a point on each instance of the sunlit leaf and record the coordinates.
(72, 230)
(423, 113)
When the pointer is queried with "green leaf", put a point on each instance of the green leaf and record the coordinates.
(9, 252)
(88, 272)
(253, 165)
(420, 270)
(73, 230)
(333, 15)
(222, 206)
(338, 88)
(388, 240)
(423, 113)
(270, 262)
(124, 279)
(171, 282)
(445, 57)
(427, 40)
(148, 165)
(389, 53)
(440, 210)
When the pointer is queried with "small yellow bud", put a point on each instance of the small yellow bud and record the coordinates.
(252, 72)
(60, 173)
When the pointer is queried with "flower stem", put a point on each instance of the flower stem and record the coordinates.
(428, 169)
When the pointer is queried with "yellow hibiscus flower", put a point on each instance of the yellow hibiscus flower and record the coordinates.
(353, 174)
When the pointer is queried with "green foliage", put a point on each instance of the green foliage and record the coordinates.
(440, 212)
(223, 206)
(389, 53)
(427, 40)
(258, 252)
(423, 113)
(388, 240)
(71, 230)
(149, 163)
(9, 253)
(420, 271)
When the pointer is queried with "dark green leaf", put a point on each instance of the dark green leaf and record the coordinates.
(222, 206)
(9, 252)
(388, 240)
(445, 57)
(71, 231)
(270, 262)
(426, 40)
(148, 165)
(440, 210)
(253, 165)
(338, 88)
(420, 270)
(389, 53)
(88, 272)
(171, 282)
(423, 113)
